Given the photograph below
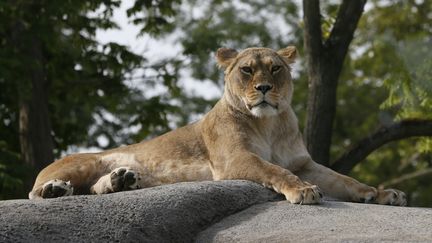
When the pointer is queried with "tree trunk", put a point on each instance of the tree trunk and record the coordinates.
(35, 129)
(34, 123)
(324, 60)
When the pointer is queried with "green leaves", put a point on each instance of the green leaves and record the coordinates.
(155, 16)
(391, 54)
(12, 172)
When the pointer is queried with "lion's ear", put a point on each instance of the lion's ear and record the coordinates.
(224, 56)
(289, 54)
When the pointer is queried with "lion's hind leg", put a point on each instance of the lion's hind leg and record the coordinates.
(119, 179)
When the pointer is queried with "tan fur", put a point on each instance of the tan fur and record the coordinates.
(240, 138)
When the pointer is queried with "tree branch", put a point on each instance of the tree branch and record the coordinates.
(396, 131)
(346, 22)
(405, 177)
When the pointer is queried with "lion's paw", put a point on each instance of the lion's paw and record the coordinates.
(391, 197)
(56, 188)
(309, 194)
(124, 179)
(368, 195)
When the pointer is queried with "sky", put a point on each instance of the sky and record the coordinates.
(154, 50)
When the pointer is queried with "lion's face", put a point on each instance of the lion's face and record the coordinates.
(258, 80)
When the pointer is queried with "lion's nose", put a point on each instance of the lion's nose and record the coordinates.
(263, 87)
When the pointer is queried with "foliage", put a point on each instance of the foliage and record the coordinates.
(155, 16)
(12, 172)
(393, 56)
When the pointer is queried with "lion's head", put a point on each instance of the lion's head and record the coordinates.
(258, 80)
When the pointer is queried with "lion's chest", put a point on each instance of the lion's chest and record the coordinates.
(265, 147)
(262, 149)
(283, 152)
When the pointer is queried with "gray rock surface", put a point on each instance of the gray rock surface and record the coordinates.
(224, 211)
(329, 222)
(174, 213)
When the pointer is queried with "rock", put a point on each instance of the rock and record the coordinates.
(329, 222)
(223, 211)
(173, 213)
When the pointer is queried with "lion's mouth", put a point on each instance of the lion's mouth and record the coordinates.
(262, 104)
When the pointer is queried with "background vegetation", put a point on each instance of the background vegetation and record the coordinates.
(61, 89)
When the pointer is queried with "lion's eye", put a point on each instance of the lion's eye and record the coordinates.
(246, 70)
(275, 69)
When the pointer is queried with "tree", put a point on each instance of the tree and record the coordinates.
(325, 59)
(60, 87)
(394, 58)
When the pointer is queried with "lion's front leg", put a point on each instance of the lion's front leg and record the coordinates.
(299, 192)
(391, 197)
(248, 166)
(120, 179)
(346, 188)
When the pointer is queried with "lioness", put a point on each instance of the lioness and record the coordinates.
(250, 134)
